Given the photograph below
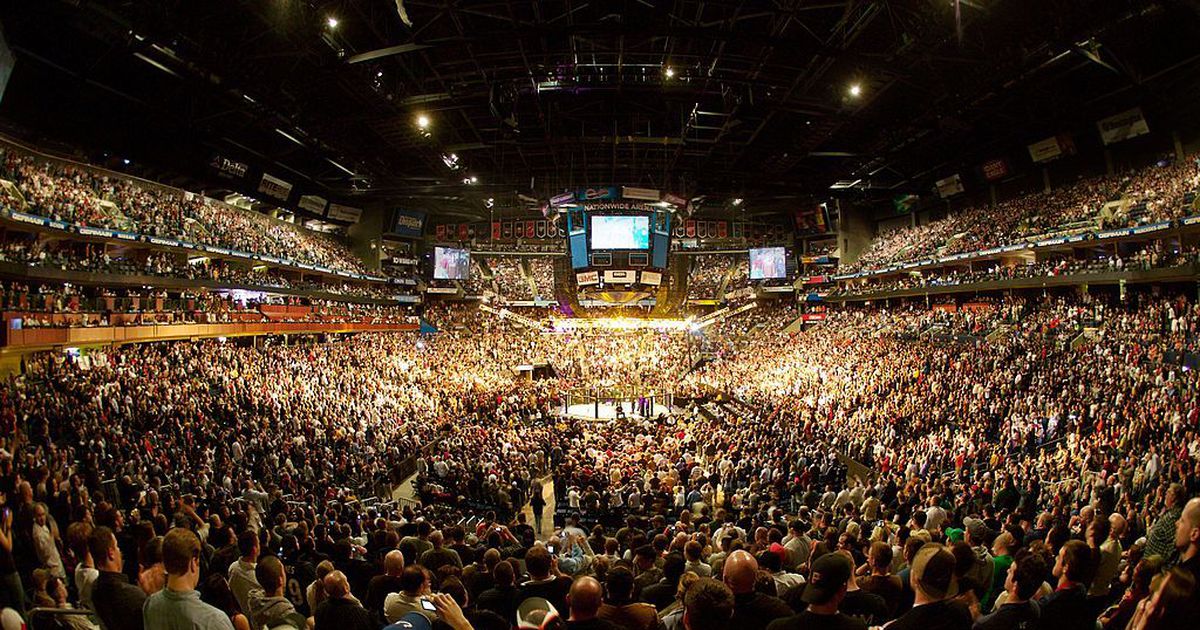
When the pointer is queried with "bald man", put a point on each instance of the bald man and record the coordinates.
(584, 598)
(381, 585)
(340, 611)
(751, 610)
(1187, 538)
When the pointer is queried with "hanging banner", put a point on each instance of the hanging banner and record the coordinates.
(408, 223)
(1128, 124)
(463, 232)
(593, 194)
(646, 194)
(441, 232)
(541, 229)
(228, 168)
(949, 186)
(338, 212)
(274, 187)
(313, 204)
(508, 230)
(530, 229)
(552, 229)
(994, 170)
(495, 230)
(1052, 148)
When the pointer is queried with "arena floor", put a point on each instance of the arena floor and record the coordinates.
(607, 411)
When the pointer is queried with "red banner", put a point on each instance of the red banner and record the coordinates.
(722, 229)
(462, 232)
(530, 229)
(441, 232)
(495, 230)
(690, 226)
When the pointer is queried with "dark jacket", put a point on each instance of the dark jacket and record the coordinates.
(502, 600)
(118, 603)
(1067, 609)
(753, 611)
(342, 614)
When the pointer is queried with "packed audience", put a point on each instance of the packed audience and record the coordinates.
(1155, 255)
(707, 275)
(1149, 195)
(86, 196)
(854, 474)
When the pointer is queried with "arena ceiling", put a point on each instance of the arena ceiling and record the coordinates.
(535, 97)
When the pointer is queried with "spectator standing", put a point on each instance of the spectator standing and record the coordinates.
(178, 605)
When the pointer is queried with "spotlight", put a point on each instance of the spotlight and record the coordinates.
(670, 72)
(856, 90)
(474, 180)
(738, 201)
(422, 121)
(332, 22)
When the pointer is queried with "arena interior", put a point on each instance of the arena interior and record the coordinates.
(600, 314)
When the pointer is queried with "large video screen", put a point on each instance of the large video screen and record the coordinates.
(620, 232)
(767, 263)
(451, 264)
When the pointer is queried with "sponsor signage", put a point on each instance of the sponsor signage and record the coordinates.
(587, 278)
(562, 199)
(227, 167)
(169, 242)
(949, 186)
(442, 290)
(91, 231)
(653, 278)
(595, 194)
(646, 194)
(339, 212)
(313, 204)
(1128, 124)
(408, 223)
(620, 276)
(994, 170)
(274, 187)
(1051, 148)
(674, 200)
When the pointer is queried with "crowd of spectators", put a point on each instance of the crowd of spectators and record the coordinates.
(1155, 255)
(510, 280)
(1043, 481)
(542, 272)
(87, 196)
(97, 259)
(1156, 193)
(707, 275)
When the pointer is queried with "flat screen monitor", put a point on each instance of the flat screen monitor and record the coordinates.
(620, 232)
(451, 264)
(767, 263)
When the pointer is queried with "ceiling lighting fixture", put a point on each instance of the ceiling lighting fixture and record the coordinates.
(332, 22)
(738, 201)
(855, 90)
(422, 121)
(670, 72)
